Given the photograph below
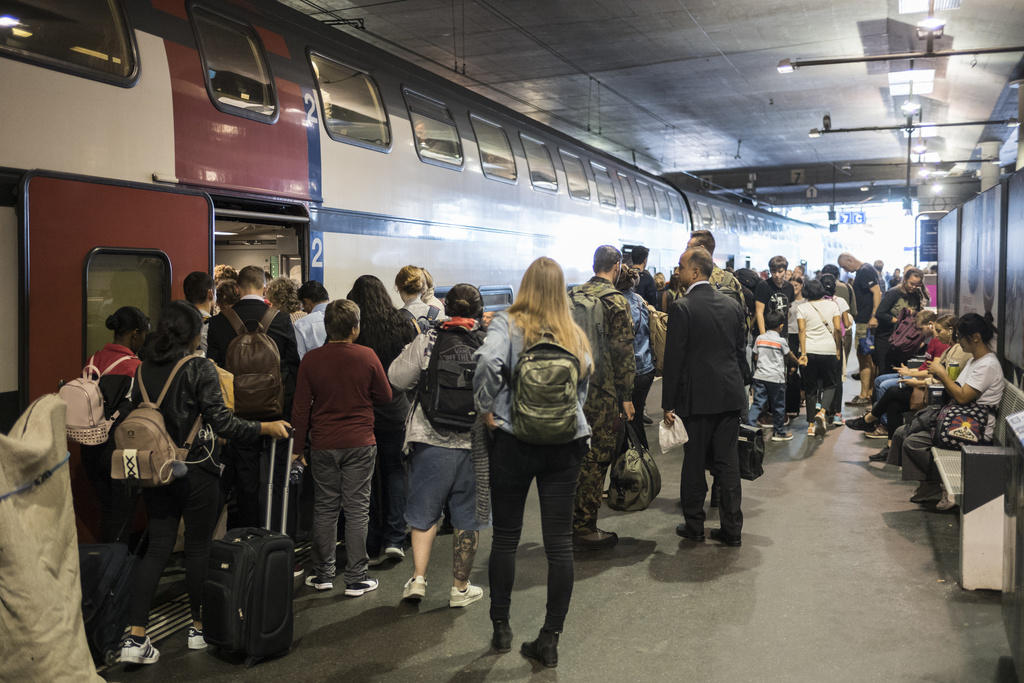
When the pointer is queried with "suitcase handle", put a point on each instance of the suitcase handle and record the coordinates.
(270, 484)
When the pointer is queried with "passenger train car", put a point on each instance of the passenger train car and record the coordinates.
(144, 139)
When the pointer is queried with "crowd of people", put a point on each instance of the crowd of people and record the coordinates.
(407, 417)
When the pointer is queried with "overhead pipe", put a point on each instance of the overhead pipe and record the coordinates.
(790, 65)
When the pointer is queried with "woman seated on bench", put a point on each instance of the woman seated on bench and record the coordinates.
(898, 398)
(981, 381)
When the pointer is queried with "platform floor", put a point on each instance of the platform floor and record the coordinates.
(840, 578)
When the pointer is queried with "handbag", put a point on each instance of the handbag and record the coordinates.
(635, 480)
(906, 337)
(959, 424)
(670, 437)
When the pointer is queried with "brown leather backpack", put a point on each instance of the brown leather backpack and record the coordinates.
(254, 360)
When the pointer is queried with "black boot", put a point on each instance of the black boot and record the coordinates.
(502, 638)
(544, 649)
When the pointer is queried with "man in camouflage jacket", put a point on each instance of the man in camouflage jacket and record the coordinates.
(609, 398)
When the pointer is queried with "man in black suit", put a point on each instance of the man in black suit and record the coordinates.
(705, 372)
(242, 464)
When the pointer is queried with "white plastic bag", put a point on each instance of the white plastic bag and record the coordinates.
(670, 437)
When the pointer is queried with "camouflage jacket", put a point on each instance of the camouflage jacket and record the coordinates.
(726, 283)
(614, 363)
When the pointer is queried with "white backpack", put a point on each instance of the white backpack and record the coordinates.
(87, 423)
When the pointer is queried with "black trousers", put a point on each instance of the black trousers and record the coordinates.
(712, 445)
(514, 466)
(794, 382)
(641, 387)
(895, 402)
(117, 500)
(195, 497)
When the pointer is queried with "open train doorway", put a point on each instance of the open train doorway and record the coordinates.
(276, 242)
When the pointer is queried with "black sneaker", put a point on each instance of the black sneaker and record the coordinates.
(880, 456)
(860, 424)
(354, 590)
(320, 583)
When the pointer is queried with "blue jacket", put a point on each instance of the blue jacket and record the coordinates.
(641, 333)
(495, 361)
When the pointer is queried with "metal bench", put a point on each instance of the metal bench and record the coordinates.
(975, 475)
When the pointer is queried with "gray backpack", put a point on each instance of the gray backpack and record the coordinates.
(544, 400)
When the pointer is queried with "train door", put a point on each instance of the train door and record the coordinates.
(89, 247)
(275, 241)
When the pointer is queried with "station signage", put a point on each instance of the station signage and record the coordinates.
(929, 247)
(852, 218)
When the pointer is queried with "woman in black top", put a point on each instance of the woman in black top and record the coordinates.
(385, 330)
(194, 390)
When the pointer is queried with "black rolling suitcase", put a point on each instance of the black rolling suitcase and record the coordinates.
(106, 571)
(750, 448)
(247, 597)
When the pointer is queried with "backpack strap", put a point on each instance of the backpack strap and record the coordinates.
(170, 378)
(90, 368)
(142, 386)
(233, 320)
(267, 319)
(115, 363)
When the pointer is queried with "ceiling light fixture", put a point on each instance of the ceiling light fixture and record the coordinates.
(930, 27)
(937, 189)
(1012, 123)
(786, 67)
(814, 133)
(910, 107)
(8, 21)
(921, 147)
(864, 188)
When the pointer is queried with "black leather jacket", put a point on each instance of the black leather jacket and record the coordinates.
(195, 389)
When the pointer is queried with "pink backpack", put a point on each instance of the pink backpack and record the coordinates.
(86, 421)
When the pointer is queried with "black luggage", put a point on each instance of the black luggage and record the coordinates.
(106, 572)
(751, 452)
(247, 597)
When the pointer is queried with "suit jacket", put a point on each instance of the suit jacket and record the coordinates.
(251, 311)
(705, 355)
(646, 288)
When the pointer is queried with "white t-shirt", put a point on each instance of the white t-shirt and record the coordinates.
(791, 327)
(844, 307)
(985, 376)
(817, 317)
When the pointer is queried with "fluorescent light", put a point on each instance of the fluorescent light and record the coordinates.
(7, 21)
(916, 6)
(814, 133)
(224, 234)
(90, 53)
(931, 23)
(864, 188)
(910, 107)
(936, 189)
(1012, 123)
(21, 33)
(920, 148)
(786, 67)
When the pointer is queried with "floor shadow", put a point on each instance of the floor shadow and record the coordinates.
(701, 562)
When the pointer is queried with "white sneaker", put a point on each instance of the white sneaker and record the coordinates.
(393, 552)
(136, 653)
(195, 639)
(462, 598)
(320, 583)
(415, 589)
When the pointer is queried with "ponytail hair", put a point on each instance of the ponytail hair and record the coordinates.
(126, 320)
(463, 301)
(179, 324)
(970, 324)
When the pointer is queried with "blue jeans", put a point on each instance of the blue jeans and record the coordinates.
(883, 382)
(771, 394)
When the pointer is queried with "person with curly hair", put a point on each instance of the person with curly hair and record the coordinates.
(385, 330)
(223, 271)
(283, 294)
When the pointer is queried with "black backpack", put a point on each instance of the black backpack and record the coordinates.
(446, 386)
(424, 323)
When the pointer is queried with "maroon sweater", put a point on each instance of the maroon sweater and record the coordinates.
(338, 385)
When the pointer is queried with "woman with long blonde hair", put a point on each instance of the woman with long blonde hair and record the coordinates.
(540, 311)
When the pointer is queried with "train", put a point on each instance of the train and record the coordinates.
(144, 139)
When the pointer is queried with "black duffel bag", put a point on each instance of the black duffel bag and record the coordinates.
(751, 451)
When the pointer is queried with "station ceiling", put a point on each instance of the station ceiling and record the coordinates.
(693, 85)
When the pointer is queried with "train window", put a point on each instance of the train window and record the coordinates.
(88, 37)
(437, 138)
(496, 156)
(538, 160)
(605, 189)
(575, 175)
(719, 219)
(627, 192)
(705, 216)
(235, 69)
(351, 104)
(647, 199)
(123, 277)
(677, 207)
(663, 210)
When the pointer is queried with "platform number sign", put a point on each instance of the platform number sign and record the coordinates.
(316, 256)
(851, 218)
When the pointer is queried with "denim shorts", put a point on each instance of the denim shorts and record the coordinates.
(438, 475)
